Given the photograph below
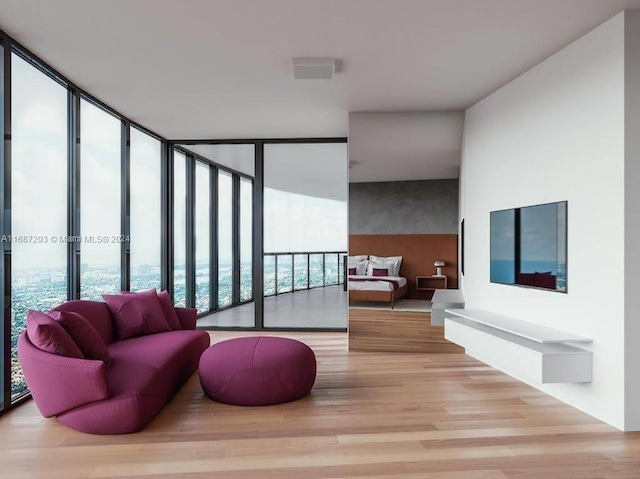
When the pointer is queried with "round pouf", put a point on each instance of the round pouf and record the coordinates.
(257, 371)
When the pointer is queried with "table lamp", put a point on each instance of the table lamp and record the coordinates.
(438, 264)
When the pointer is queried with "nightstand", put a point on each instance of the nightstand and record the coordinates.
(431, 283)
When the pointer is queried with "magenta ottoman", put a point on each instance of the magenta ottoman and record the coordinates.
(257, 371)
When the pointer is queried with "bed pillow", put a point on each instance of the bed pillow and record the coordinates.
(396, 260)
(83, 334)
(360, 266)
(47, 335)
(357, 258)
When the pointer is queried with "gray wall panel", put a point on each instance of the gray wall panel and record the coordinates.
(404, 207)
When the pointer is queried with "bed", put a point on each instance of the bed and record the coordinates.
(385, 289)
(375, 279)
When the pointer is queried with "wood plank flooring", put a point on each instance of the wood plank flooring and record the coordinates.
(370, 415)
(394, 331)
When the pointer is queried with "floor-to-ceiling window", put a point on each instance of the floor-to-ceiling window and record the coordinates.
(146, 209)
(225, 239)
(179, 228)
(38, 199)
(100, 201)
(231, 167)
(246, 239)
(202, 219)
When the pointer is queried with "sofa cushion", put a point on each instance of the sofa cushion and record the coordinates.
(83, 334)
(49, 336)
(136, 314)
(175, 353)
(169, 310)
(96, 312)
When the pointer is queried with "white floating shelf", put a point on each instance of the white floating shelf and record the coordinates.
(534, 332)
(518, 348)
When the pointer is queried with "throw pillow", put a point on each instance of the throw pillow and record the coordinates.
(380, 272)
(136, 314)
(352, 271)
(169, 310)
(49, 336)
(388, 267)
(83, 334)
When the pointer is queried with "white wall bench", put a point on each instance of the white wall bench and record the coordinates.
(521, 349)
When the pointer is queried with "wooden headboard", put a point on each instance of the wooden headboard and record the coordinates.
(418, 255)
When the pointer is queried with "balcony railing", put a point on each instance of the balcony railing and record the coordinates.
(289, 272)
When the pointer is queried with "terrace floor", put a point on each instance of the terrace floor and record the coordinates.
(314, 308)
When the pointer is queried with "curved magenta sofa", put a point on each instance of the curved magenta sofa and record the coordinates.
(123, 393)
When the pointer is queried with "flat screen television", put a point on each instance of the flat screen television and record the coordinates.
(529, 246)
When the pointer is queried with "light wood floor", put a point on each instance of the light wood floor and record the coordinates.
(396, 331)
(370, 415)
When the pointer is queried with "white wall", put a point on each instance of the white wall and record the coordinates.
(632, 220)
(557, 133)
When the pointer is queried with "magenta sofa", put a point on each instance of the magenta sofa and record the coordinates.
(124, 393)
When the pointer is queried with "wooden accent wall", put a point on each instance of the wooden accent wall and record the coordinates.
(397, 331)
(418, 252)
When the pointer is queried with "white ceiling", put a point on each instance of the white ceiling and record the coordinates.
(404, 146)
(310, 169)
(222, 68)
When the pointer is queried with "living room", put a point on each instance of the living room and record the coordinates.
(549, 98)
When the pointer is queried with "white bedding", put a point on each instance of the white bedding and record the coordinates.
(375, 285)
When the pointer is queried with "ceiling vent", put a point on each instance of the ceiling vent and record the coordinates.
(313, 68)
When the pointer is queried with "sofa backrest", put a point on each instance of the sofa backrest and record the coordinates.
(96, 312)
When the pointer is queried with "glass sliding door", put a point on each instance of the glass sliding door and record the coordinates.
(203, 237)
(100, 201)
(305, 230)
(39, 200)
(146, 209)
(225, 239)
(179, 229)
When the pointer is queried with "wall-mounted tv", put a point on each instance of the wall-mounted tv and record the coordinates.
(529, 246)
